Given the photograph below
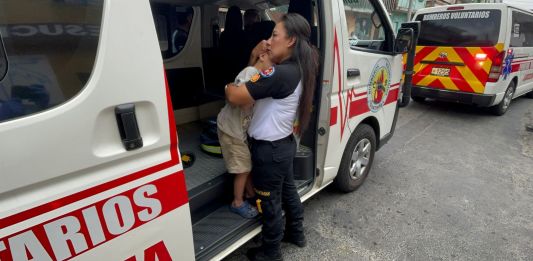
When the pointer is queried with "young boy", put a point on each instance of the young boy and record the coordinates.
(232, 123)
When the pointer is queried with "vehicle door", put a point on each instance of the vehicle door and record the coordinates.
(363, 63)
(89, 165)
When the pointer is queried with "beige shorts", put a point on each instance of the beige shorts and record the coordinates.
(236, 154)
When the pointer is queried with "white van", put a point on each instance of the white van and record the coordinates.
(480, 54)
(98, 100)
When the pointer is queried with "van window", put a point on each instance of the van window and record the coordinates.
(460, 28)
(365, 27)
(173, 23)
(522, 30)
(51, 52)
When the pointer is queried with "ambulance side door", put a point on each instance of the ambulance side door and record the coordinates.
(368, 63)
(89, 165)
(362, 84)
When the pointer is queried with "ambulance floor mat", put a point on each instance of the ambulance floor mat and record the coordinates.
(205, 167)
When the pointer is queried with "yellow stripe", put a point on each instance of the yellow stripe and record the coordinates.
(467, 74)
(484, 65)
(499, 47)
(448, 83)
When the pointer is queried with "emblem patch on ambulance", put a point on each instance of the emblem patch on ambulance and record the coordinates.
(268, 72)
(255, 78)
(379, 85)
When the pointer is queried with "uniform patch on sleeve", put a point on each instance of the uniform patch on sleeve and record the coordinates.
(255, 78)
(268, 72)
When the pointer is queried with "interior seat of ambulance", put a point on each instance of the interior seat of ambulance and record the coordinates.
(199, 60)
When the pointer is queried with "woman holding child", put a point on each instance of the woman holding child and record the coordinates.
(279, 95)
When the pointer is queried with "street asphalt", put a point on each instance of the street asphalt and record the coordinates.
(454, 183)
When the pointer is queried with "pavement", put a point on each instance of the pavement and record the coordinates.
(454, 183)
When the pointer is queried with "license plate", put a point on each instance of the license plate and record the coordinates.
(439, 71)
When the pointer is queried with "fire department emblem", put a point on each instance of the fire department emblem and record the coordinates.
(379, 85)
(255, 77)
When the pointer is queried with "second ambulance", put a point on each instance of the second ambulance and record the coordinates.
(480, 54)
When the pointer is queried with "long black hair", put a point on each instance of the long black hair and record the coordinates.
(306, 56)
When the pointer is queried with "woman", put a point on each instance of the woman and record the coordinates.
(281, 94)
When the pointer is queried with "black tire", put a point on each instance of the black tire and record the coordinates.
(418, 99)
(502, 107)
(348, 180)
(403, 102)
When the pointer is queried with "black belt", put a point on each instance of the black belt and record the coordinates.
(287, 139)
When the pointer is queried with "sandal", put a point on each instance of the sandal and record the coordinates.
(245, 210)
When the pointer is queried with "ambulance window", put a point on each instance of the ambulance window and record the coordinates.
(365, 26)
(477, 28)
(172, 23)
(51, 52)
(522, 30)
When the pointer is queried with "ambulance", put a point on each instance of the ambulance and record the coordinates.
(479, 54)
(101, 100)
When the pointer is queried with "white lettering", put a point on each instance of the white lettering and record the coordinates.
(75, 30)
(94, 226)
(94, 30)
(2, 246)
(140, 198)
(125, 210)
(22, 244)
(45, 29)
(457, 15)
(19, 30)
(61, 231)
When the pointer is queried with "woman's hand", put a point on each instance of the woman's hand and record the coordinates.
(261, 47)
(238, 94)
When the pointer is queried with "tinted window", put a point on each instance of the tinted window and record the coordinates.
(522, 30)
(51, 47)
(173, 23)
(460, 28)
(365, 27)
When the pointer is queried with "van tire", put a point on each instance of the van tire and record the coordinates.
(352, 173)
(501, 108)
(418, 99)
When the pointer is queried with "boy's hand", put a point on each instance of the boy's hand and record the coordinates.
(260, 48)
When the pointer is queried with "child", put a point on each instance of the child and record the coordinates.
(232, 123)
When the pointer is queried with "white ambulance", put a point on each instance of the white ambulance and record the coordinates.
(480, 54)
(99, 100)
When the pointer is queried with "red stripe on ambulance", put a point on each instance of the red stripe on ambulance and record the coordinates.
(83, 229)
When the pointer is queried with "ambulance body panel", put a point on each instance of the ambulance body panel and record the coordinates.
(472, 53)
(97, 110)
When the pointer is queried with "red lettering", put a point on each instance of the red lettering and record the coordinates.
(158, 250)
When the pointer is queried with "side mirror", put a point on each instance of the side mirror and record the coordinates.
(403, 41)
(3, 60)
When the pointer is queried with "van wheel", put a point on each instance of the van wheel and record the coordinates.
(503, 106)
(418, 99)
(530, 94)
(357, 159)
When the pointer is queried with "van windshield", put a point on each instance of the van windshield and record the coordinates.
(460, 28)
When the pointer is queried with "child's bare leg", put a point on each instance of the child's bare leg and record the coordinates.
(239, 185)
(250, 193)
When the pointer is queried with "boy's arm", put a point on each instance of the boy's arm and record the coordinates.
(238, 94)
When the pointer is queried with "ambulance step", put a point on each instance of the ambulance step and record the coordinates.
(218, 230)
(205, 167)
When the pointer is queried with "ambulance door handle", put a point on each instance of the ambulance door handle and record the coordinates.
(353, 73)
(128, 127)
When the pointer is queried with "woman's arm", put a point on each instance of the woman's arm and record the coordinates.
(238, 94)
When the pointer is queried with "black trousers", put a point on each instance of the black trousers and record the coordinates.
(273, 180)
